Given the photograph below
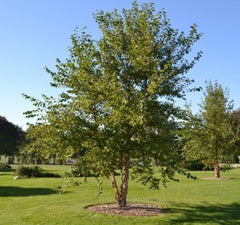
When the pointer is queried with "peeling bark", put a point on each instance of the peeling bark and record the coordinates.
(124, 183)
(121, 195)
(115, 186)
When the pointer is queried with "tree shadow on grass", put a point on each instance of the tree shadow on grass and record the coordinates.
(4, 174)
(6, 171)
(12, 191)
(203, 214)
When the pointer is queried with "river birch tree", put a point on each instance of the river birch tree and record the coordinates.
(119, 92)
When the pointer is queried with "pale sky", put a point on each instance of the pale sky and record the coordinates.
(33, 33)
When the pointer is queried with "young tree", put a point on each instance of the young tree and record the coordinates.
(11, 137)
(41, 144)
(211, 135)
(235, 117)
(119, 92)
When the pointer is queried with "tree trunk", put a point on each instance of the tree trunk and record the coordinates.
(217, 171)
(121, 195)
(54, 159)
(115, 186)
(124, 182)
(10, 159)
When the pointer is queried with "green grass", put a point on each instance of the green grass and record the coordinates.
(37, 201)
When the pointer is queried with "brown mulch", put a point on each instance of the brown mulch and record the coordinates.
(214, 178)
(132, 209)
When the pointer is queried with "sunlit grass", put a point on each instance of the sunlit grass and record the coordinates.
(37, 201)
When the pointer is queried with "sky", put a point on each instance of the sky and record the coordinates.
(34, 33)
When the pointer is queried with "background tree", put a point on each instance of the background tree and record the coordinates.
(11, 137)
(39, 145)
(235, 116)
(45, 142)
(211, 135)
(119, 93)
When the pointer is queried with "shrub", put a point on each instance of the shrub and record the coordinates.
(5, 167)
(34, 171)
(24, 171)
(196, 165)
(193, 165)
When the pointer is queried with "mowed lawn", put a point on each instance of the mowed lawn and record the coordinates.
(37, 201)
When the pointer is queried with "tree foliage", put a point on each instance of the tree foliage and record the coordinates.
(119, 93)
(235, 116)
(11, 137)
(44, 142)
(211, 136)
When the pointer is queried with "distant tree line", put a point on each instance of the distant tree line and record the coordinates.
(11, 139)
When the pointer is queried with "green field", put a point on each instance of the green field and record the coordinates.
(37, 201)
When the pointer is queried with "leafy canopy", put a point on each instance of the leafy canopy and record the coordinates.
(212, 135)
(11, 137)
(119, 91)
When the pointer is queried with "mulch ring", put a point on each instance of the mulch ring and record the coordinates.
(214, 178)
(132, 209)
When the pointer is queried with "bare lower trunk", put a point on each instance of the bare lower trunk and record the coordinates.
(10, 159)
(115, 186)
(124, 182)
(217, 171)
(54, 159)
(121, 195)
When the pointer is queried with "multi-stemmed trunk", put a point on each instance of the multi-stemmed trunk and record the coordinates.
(121, 194)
